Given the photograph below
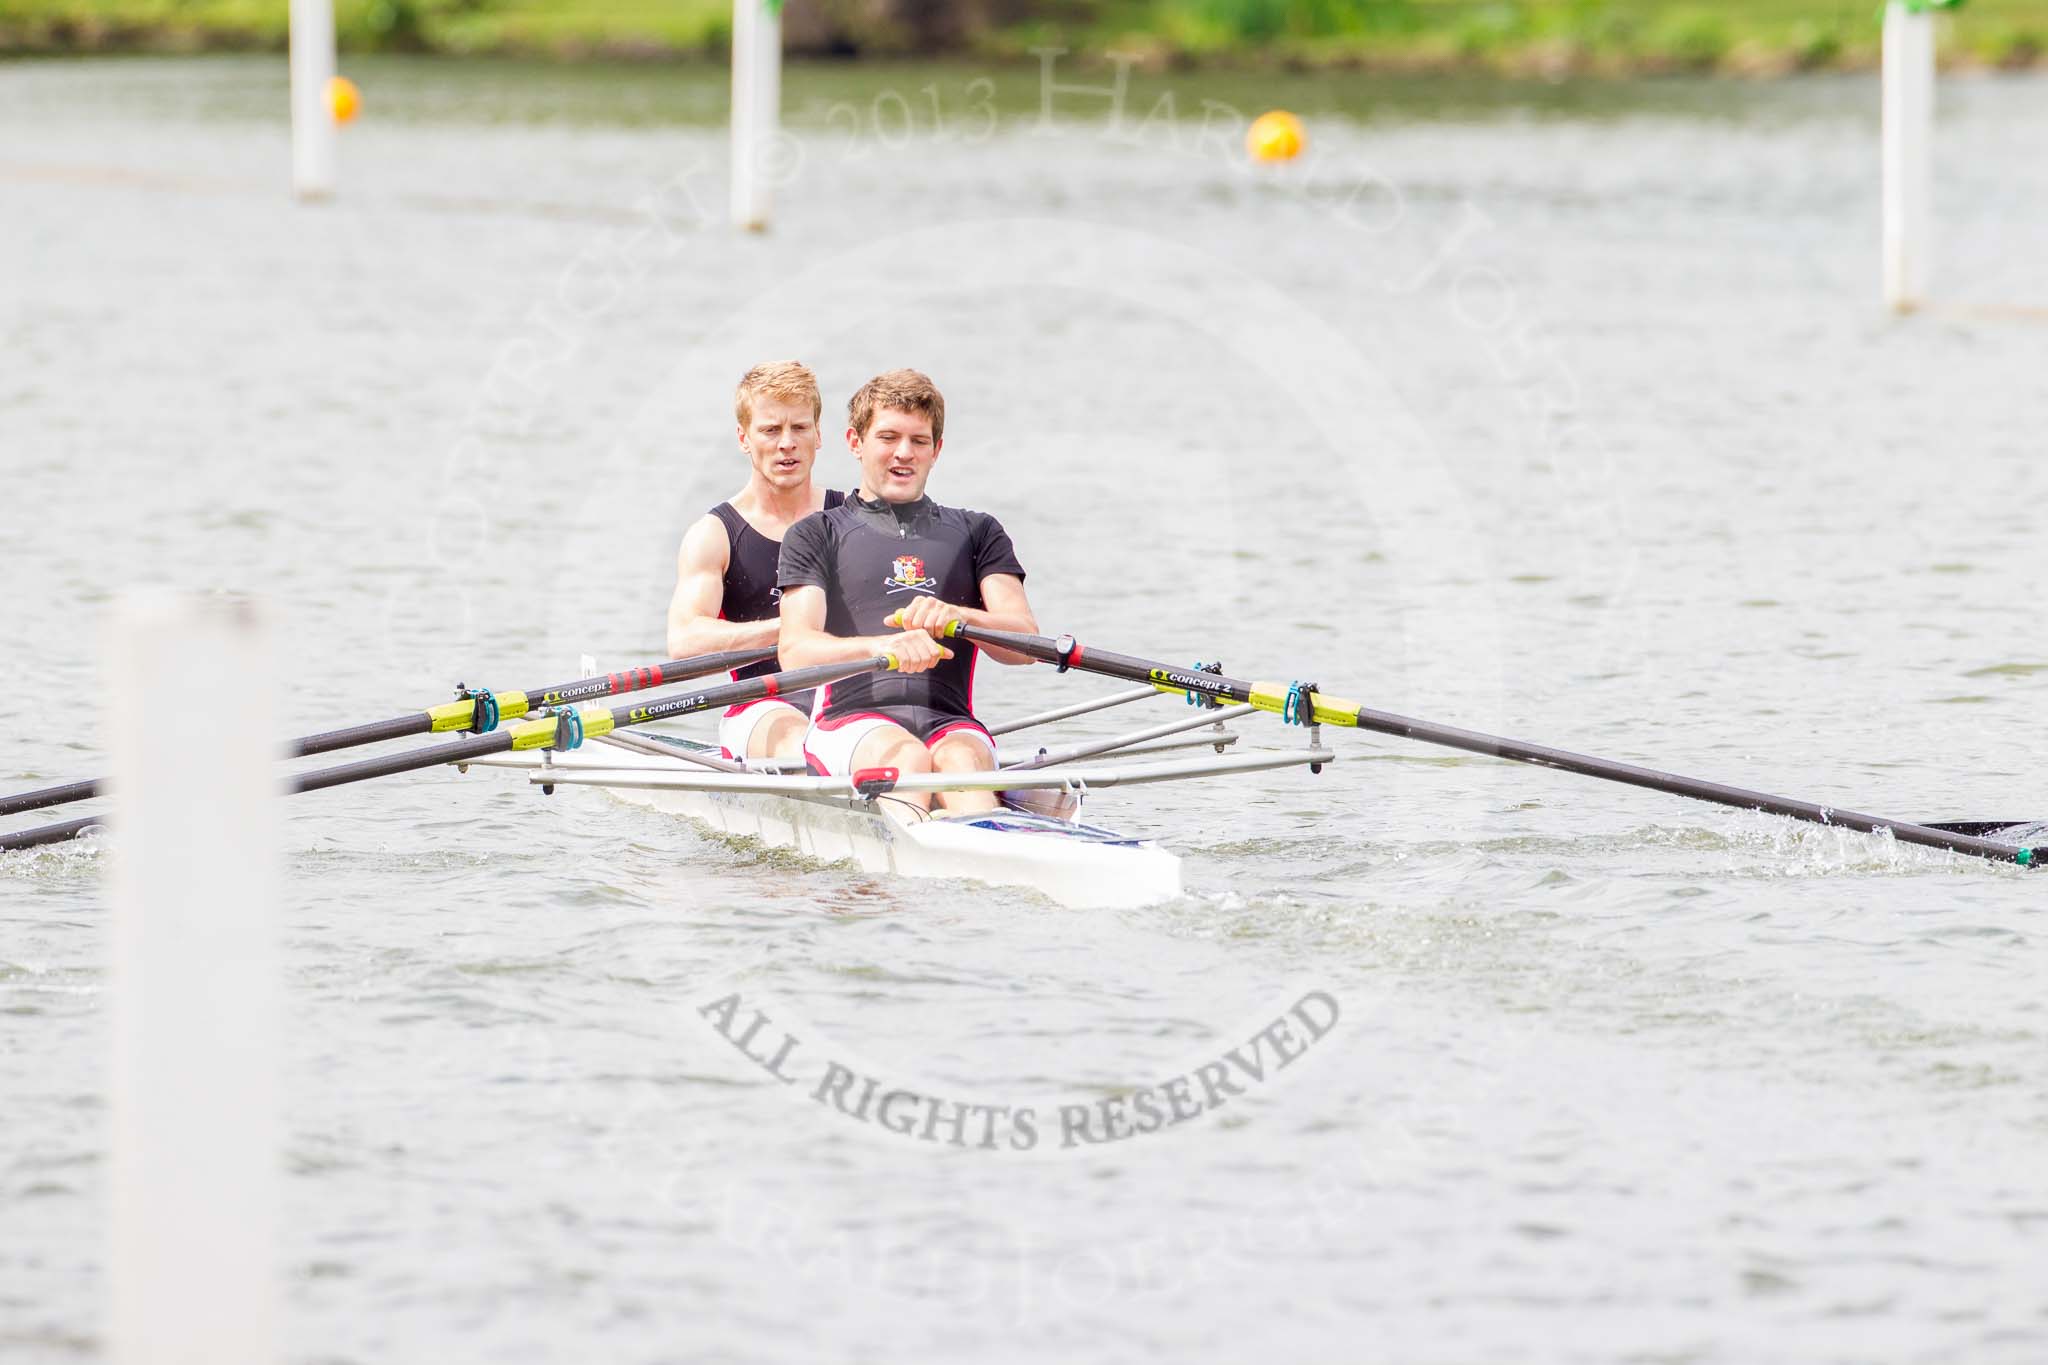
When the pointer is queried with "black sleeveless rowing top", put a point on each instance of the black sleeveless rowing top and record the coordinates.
(751, 593)
(871, 559)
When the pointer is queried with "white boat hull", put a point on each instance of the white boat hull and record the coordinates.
(1076, 866)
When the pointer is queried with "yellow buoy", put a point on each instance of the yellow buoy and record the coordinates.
(1275, 136)
(343, 99)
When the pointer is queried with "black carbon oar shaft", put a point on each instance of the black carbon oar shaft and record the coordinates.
(454, 715)
(50, 796)
(542, 733)
(590, 722)
(52, 834)
(1330, 710)
(458, 715)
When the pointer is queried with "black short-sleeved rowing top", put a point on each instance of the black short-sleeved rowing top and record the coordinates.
(872, 558)
(751, 593)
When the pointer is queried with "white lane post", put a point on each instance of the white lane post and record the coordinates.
(756, 107)
(1908, 151)
(313, 131)
(194, 984)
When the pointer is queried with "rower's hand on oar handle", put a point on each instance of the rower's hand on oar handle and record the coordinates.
(927, 614)
(915, 651)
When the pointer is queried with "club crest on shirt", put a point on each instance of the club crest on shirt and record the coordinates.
(907, 575)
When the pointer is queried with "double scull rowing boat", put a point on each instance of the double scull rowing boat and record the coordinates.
(1033, 842)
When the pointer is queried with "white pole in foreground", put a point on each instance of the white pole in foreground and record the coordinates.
(313, 132)
(1908, 152)
(756, 107)
(194, 984)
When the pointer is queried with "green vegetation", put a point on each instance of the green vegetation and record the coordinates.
(1538, 36)
(1545, 37)
(564, 28)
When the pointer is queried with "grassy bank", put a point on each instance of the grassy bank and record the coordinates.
(1549, 36)
(1544, 37)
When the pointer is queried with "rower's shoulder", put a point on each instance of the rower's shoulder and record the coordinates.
(730, 516)
(972, 518)
(743, 513)
(708, 541)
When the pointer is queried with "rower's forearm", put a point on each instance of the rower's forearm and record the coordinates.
(1015, 622)
(706, 636)
(809, 648)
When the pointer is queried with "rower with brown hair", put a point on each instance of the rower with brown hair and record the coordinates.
(885, 573)
(726, 595)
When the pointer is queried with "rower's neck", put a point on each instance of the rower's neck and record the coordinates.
(902, 511)
(783, 504)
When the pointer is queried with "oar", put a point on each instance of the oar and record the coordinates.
(454, 715)
(1328, 710)
(1980, 828)
(566, 729)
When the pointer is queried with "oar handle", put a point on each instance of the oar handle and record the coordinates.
(895, 619)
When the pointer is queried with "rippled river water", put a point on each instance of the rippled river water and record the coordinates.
(1563, 413)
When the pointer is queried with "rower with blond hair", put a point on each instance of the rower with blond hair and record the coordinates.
(726, 595)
